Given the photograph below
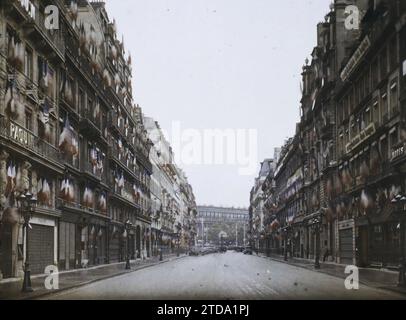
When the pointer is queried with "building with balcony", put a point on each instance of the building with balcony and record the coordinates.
(257, 200)
(346, 158)
(72, 135)
(172, 198)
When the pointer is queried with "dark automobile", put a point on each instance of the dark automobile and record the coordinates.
(195, 251)
(247, 251)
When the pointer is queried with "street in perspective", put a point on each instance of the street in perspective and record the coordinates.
(225, 276)
(202, 150)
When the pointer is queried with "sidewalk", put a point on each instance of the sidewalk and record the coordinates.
(377, 278)
(11, 289)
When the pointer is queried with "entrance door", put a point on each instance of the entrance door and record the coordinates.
(346, 246)
(101, 246)
(363, 247)
(138, 240)
(131, 245)
(6, 250)
(67, 248)
(41, 248)
(114, 247)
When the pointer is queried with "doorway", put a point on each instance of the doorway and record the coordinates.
(6, 244)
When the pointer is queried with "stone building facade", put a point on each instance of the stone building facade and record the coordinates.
(173, 200)
(71, 134)
(345, 162)
(232, 223)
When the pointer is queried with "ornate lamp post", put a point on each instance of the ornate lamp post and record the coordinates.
(179, 229)
(286, 236)
(127, 226)
(316, 227)
(401, 200)
(26, 202)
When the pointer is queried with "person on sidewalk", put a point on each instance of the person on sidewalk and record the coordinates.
(326, 254)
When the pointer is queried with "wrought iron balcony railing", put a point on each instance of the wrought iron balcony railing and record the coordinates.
(27, 139)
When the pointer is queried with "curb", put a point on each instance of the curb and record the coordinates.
(324, 271)
(82, 284)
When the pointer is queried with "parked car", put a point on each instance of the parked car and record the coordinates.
(200, 251)
(247, 251)
(223, 249)
(195, 251)
(210, 250)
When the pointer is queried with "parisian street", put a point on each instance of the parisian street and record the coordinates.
(227, 276)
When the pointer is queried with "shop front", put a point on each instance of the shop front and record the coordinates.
(378, 240)
(8, 232)
(115, 243)
(346, 250)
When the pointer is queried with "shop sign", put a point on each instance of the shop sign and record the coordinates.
(356, 58)
(20, 135)
(398, 152)
(361, 137)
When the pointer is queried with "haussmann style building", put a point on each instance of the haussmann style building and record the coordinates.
(73, 138)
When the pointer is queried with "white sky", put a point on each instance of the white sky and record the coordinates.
(220, 64)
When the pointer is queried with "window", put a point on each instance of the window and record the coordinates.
(361, 88)
(351, 101)
(375, 111)
(28, 120)
(357, 93)
(82, 100)
(51, 138)
(394, 139)
(341, 143)
(51, 85)
(367, 118)
(377, 235)
(28, 71)
(394, 96)
(374, 71)
(384, 148)
(89, 106)
(367, 82)
(384, 63)
(384, 106)
(393, 53)
(345, 107)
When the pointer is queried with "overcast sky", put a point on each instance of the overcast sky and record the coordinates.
(220, 64)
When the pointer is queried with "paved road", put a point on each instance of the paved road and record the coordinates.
(224, 276)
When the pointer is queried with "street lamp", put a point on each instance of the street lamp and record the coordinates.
(127, 226)
(316, 227)
(179, 229)
(286, 233)
(26, 202)
(401, 199)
